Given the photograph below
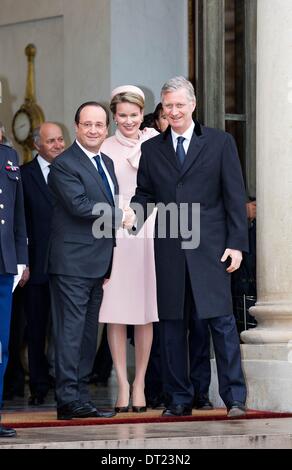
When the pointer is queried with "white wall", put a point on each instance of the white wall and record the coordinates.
(84, 49)
(17, 11)
(149, 44)
(47, 34)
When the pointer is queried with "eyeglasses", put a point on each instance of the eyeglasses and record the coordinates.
(97, 125)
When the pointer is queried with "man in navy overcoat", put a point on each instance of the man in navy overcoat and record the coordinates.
(192, 164)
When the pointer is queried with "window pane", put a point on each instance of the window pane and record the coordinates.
(234, 56)
(237, 129)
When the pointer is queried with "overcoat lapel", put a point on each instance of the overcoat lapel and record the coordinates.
(166, 147)
(197, 144)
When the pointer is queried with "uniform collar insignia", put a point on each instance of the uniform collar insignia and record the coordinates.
(10, 167)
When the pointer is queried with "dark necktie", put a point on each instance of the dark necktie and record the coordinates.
(104, 178)
(180, 151)
(49, 167)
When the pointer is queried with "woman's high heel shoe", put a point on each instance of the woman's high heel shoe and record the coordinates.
(139, 409)
(122, 409)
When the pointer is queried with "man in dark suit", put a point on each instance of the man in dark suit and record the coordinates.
(13, 250)
(84, 184)
(189, 165)
(38, 203)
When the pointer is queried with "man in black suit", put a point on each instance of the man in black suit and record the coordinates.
(38, 203)
(13, 250)
(84, 184)
(189, 165)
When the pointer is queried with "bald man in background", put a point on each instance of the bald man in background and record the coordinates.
(49, 142)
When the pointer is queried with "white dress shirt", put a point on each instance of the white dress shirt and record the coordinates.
(91, 156)
(45, 167)
(187, 135)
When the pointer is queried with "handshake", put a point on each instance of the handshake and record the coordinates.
(129, 218)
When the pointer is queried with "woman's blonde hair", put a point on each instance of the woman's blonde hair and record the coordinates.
(126, 97)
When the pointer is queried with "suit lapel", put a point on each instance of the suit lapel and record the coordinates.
(109, 168)
(86, 163)
(38, 177)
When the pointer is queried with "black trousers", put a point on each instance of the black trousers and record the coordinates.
(176, 361)
(199, 355)
(37, 310)
(75, 307)
(103, 362)
(199, 358)
(153, 377)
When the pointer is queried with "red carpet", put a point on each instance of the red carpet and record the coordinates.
(38, 418)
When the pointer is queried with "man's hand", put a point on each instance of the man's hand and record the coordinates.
(236, 257)
(24, 278)
(251, 209)
(129, 218)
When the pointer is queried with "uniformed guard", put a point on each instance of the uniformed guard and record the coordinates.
(13, 250)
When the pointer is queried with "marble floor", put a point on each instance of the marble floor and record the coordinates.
(249, 434)
(235, 434)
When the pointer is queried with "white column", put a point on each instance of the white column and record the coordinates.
(267, 352)
(273, 309)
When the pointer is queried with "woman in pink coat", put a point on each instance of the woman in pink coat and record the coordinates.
(130, 294)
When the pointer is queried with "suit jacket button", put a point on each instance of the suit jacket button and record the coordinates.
(2, 222)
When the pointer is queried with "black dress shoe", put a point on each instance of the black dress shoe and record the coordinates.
(236, 410)
(89, 405)
(177, 410)
(97, 413)
(104, 413)
(75, 409)
(7, 432)
(202, 402)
